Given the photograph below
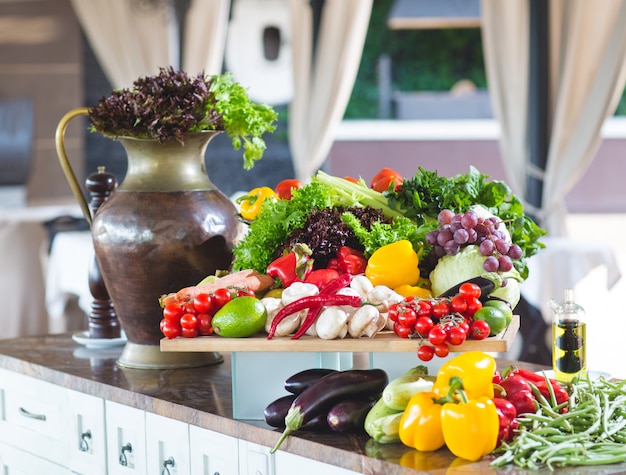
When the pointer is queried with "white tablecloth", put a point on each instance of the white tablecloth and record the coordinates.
(68, 272)
(23, 259)
(562, 265)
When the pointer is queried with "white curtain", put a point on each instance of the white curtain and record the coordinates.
(587, 76)
(323, 84)
(132, 40)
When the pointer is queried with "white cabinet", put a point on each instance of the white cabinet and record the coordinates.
(167, 445)
(87, 436)
(255, 459)
(33, 417)
(126, 439)
(212, 453)
(288, 464)
(14, 461)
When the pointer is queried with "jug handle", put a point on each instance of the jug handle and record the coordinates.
(65, 163)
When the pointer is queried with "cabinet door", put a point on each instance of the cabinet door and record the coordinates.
(33, 417)
(126, 439)
(14, 461)
(287, 464)
(167, 445)
(87, 435)
(255, 459)
(212, 453)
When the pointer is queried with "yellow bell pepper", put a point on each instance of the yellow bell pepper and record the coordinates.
(413, 291)
(250, 204)
(474, 368)
(420, 424)
(470, 427)
(394, 265)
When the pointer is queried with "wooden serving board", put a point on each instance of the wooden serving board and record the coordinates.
(383, 342)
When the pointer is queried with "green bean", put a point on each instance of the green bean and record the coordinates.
(591, 432)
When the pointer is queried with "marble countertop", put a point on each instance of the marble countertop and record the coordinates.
(203, 397)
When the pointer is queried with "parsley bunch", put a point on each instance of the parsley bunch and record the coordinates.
(172, 105)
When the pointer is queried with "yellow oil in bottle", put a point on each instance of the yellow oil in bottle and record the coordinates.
(569, 358)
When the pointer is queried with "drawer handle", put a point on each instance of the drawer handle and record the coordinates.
(123, 459)
(31, 415)
(85, 437)
(166, 464)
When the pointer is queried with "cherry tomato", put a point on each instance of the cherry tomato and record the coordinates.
(172, 312)
(170, 329)
(382, 180)
(407, 317)
(465, 326)
(469, 290)
(394, 310)
(285, 188)
(442, 350)
(188, 321)
(473, 305)
(480, 329)
(425, 308)
(401, 330)
(458, 304)
(437, 335)
(202, 303)
(441, 309)
(456, 336)
(425, 352)
(204, 324)
(189, 332)
(423, 325)
(221, 297)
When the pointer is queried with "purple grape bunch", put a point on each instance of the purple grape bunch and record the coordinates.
(456, 231)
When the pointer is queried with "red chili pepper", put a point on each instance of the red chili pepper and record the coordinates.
(330, 288)
(497, 377)
(351, 260)
(312, 301)
(519, 392)
(293, 266)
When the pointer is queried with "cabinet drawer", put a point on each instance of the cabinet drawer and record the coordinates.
(87, 434)
(126, 439)
(213, 453)
(34, 414)
(167, 445)
(14, 461)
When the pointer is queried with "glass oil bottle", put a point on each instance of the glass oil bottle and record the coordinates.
(569, 357)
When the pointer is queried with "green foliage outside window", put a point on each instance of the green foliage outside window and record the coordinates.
(421, 60)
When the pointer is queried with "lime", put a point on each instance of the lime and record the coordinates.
(504, 307)
(494, 317)
(241, 317)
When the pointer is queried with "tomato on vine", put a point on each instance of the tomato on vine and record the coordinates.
(437, 335)
(425, 352)
(469, 290)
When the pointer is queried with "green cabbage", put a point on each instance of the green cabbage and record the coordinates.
(468, 264)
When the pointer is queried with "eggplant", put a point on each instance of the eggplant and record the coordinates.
(276, 411)
(322, 395)
(486, 287)
(298, 382)
(349, 415)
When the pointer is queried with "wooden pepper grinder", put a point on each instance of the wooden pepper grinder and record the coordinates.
(103, 321)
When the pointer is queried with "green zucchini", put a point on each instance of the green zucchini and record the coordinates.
(382, 423)
(398, 392)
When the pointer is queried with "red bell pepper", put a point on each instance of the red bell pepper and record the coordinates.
(519, 392)
(351, 261)
(321, 277)
(506, 419)
(293, 266)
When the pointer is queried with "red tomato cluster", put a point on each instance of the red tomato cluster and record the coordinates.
(194, 318)
(443, 322)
